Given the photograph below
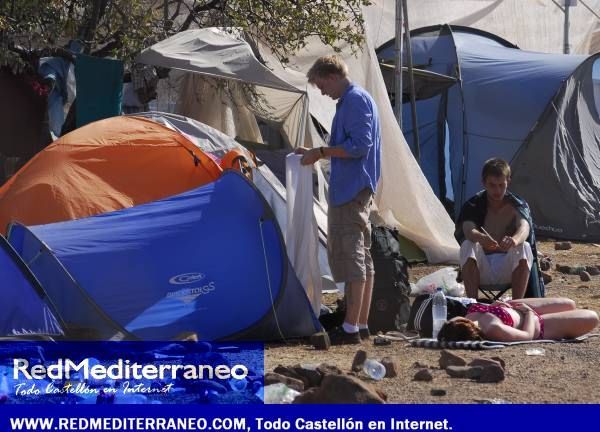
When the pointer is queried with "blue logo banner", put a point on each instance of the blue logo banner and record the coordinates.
(244, 418)
(131, 373)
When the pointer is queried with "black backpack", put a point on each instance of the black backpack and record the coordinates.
(390, 305)
(421, 318)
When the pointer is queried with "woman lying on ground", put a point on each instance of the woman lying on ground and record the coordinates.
(521, 320)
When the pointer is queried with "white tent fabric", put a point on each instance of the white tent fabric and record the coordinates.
(302, 249)
(535, 25)
(219, 53)
(404, 199)
(230, 57)
(204, 100)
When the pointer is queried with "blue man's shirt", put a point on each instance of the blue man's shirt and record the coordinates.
(355, 128)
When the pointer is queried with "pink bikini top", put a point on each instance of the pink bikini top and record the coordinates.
(499, 311)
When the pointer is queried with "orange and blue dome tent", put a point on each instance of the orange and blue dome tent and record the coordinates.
(107, 165)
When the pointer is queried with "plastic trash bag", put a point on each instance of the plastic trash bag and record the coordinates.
(444, 278)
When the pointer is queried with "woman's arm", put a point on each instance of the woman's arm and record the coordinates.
(496, 330)
(503, 333)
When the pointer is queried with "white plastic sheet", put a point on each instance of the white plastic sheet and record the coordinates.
(301, 233)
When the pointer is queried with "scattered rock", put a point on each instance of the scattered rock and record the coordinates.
(475, 372)
(383, 395)
(592, 270)
(585, 276)
(320, 341)
(483, 362)
(291, 373)
(563, 268)
(450, 359)
(327, 369)
(391, 367)
(293, 383)
(423, 375)
(359, 360)
(545, 264)
(419, 365)
(501, 361)
(341, 389)
(438, 392)
(546, 277)
(472, 372)
(491, 374)
(562, 245)
(310, 374)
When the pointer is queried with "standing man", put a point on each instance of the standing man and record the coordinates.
(355, 152)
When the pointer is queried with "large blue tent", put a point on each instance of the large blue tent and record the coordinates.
(535, 110)
(210, 261)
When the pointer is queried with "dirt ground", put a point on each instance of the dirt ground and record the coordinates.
(566, 373)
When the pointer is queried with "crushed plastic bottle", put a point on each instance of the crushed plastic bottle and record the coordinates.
(279, 393)
(374, 369)
(535, 352)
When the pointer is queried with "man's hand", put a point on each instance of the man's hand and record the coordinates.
(506, 243)
(309, 156)
(489, 244)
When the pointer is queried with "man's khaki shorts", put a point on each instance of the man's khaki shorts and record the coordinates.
(349, 239)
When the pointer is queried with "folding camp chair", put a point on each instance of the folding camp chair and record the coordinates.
(495, 291)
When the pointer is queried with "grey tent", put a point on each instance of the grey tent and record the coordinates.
(558, 167)
(536, 110)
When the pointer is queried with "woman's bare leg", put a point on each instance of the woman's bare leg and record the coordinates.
(548, 305)
(569, 324)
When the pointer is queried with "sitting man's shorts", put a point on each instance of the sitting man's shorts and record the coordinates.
(349, 239)
(495, 268)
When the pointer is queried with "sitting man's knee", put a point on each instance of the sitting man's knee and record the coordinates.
(469, 263)
(469, 253)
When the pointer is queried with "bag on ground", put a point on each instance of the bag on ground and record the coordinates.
(421, 318)
(390, 305)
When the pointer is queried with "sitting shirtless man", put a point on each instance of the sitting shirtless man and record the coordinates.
(495, 229)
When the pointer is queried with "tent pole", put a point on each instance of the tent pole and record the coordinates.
(398, 69)
(411, 79)
(302, 132)
(566, 48)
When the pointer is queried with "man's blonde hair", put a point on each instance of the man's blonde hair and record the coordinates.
(325, 66)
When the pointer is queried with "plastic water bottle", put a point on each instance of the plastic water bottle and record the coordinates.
(439, 311)
(374, 369)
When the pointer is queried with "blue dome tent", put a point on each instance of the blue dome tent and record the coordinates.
(210, 261)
